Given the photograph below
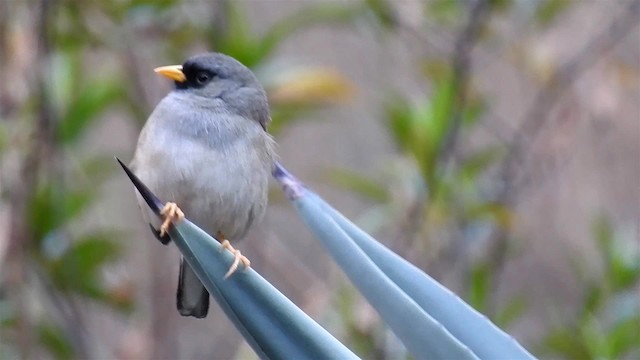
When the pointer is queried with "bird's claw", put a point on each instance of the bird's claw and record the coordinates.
(171, 213)
(165, 239)
(238, 258)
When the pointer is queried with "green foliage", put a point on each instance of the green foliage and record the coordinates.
(51, 208)
(446, 198)
(480, 286)
(359, 184)
(548, 10)
(85, 107)
(444, 11)
(608, 320)
(481, 283)
(360, 339)
(77, 269)
(53, 340)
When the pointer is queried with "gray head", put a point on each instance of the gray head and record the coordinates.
(214, 76)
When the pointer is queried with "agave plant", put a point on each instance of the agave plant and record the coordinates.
(431, 321)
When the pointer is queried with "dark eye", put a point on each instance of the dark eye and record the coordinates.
(203, 77)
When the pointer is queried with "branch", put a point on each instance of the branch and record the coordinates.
(461, 67)
(537, 116)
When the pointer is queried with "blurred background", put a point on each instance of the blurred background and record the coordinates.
(493, 143)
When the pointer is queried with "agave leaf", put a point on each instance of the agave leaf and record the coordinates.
(471, 327)
(270, 323)
(423, 336)
(369, 263)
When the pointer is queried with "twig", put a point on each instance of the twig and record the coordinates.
(460, 70)
(537, 116)
(69, 314)
(461, 67)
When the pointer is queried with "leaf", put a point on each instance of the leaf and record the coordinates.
(284, 115)
(311, 86)
(592, 336)
(472, 111)
(77, 270)
(479, 287)
(368, 263)
(91, 101)
(42, 212)
(621, 266)
(423, 336)
(77, 201)
(548, 10)
(442, 100)
(623, 337)
(359, 184)
(624, 274)
(603, 232)
(383, 12)
(594, 298)
(444, 11)
(54, 340)
(96, 169)
(564, 342)
(51, 207)
(462, 321)
(436, 70)
(411, 126)
(514, 309)
(398, 113)
(477, 163)
(497, 212)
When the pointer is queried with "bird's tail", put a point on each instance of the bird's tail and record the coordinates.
(192, 297)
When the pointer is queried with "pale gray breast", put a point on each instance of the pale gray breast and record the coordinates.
(215, 168)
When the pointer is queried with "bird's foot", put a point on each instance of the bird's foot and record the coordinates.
(171, 214)
(238, 258)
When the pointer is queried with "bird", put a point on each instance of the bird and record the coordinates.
(205, 150)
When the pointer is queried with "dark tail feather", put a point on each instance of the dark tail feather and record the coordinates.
(163, 239)
(192, 297)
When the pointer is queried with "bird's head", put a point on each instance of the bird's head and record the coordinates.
(217, 76)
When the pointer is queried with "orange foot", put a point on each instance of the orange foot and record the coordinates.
(171, 213)
(238, 258)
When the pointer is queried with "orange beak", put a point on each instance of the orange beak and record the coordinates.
(173, 72)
